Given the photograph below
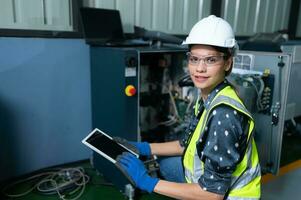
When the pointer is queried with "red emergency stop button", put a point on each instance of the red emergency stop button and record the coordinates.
(130, 90)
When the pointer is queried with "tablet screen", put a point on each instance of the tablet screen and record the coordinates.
(103, 144)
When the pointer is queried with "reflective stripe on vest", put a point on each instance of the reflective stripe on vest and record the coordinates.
(245, 182)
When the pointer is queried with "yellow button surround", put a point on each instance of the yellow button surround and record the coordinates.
(130, 90)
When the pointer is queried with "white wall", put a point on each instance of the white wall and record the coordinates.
(252, 16)
(171, 16)
(177, 16)
(36, 14)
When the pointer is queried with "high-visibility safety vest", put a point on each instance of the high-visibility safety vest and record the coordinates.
(245, 182)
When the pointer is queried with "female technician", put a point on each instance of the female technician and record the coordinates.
(219, 154)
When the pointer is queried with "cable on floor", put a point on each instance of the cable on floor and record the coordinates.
(67, 183)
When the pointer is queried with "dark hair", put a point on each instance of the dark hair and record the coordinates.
(228, 52)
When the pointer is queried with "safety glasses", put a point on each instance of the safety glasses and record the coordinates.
(207, 60)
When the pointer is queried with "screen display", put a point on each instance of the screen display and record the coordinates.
(101, 23)
(106, 144)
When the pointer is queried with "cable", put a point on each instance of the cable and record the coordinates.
(21, 181)
(173, 103)
(258, 102)
(175, 117)
(258, 89)
(192, 99)
(65, 182)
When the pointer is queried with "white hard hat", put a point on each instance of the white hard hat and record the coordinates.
(212, 30)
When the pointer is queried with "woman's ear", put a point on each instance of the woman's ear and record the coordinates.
(228, 66)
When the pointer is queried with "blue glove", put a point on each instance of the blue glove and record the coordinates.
(143, 148)
(134, 169)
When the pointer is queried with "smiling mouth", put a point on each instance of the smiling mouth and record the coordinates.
(200, 78)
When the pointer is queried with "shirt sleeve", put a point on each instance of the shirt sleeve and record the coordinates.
(221, 148)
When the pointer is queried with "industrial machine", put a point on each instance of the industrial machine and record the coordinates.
(135, 95)
(267, 83)
(144, 94)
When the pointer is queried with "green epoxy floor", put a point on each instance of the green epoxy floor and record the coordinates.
(91, 193)
(291, 151)
(97, 189)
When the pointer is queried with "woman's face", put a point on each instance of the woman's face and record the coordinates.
(207, 67)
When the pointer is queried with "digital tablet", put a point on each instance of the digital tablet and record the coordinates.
(104, 145)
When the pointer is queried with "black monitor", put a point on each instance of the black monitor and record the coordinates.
(101, 24)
